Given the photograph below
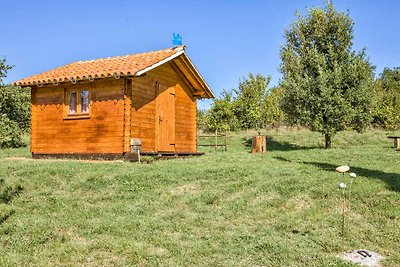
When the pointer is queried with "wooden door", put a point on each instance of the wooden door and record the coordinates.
(165, 118)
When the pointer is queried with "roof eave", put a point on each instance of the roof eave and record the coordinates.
(143, 71)
(198, 76)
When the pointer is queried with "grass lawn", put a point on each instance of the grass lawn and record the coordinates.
(230, 208)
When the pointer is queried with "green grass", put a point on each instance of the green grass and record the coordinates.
(230, 208)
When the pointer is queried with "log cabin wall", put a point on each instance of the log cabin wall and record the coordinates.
(101, 132)
(144, 100)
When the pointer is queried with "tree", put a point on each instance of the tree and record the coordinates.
(3, 70)
(387, 97)
(328, 86)
(14, 111)
(273, 113)
(201, 119)
(15, 104)
(221, 115)
(10, 133)
(250, 99)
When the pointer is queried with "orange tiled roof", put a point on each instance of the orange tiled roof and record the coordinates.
(101, 68)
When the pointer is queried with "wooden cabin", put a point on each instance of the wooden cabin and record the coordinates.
(97, 107)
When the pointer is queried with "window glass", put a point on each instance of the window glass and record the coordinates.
(84, 101)
(72, 103)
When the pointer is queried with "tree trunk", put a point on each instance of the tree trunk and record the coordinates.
(259, 144)
(328, 141)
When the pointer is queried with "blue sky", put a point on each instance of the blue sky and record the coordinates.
(225, 39)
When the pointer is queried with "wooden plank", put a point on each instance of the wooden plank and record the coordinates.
(101, 133)
(96, 125)
(72, 136)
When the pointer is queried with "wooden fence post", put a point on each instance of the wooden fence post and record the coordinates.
(197, 139)
(226, 140)
(216, 140)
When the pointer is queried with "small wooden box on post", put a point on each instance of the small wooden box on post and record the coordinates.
(259, 144)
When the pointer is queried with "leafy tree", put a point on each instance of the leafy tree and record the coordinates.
(221, 116)
(201, 119)
(10, 133)
(3, 70)
(14, 111)
(328, 86)
(387, 97)
(273, 112)
(15, 103)
(249, 105)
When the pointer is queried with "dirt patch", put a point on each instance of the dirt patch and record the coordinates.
(184, 189)
(157, 251)
(259, 199)
(298, 203)
(62, 160)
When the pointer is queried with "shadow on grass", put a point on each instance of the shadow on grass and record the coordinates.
(391, 179)
(274, 145)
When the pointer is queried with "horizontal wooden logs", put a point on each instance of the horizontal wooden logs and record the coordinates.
(119, 110)
(53, 131)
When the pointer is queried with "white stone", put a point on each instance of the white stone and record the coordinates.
(369, 261)
(342, 186)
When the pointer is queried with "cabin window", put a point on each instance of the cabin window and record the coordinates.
(72, 103)
(78, 102)
(84, 101)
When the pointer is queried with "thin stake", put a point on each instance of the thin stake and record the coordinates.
(216, 140)
(343, 216)
(226, 140)
(197, 139)
(351, 181)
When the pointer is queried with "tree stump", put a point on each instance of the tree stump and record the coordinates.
(259, 144)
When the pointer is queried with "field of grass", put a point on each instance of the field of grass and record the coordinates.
(230, 208)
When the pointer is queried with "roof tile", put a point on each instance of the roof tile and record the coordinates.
(100, 68)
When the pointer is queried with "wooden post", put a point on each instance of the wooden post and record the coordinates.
(197, 139)
(216, 140)
(259, 144)
(226, 140)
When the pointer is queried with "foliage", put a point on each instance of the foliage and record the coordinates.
(328, 86)
(221, 209)
(201, 119)
(15, 103)
(273, 113)
(3, 70)
(221, 116)
(387, 97)
(14, 111)
(147, 159)
(10, 133)
(249, 105)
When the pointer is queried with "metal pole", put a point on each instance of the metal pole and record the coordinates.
(343, 216)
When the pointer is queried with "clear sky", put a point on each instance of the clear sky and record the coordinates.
(225, 39)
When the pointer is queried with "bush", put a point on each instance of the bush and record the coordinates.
(15, 103)
(10, 133)
(221, 115)
(387, 97)
(147, 159)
